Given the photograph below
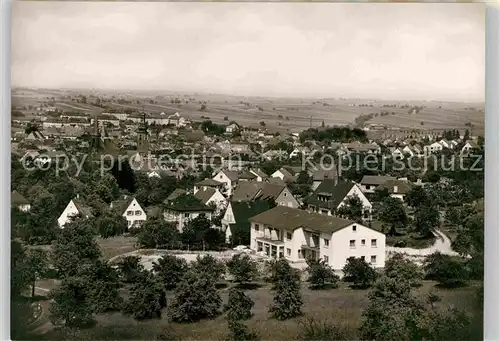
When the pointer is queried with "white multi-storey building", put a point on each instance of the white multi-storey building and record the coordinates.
(298, 235)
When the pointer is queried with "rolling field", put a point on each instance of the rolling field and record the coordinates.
(282, 113)
(340, 307)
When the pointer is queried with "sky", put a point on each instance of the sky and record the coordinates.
(386, 51)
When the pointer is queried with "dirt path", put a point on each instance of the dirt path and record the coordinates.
(442, 245)
(42, 324)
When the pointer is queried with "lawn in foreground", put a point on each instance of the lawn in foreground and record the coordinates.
(115, 246)
(342, 307)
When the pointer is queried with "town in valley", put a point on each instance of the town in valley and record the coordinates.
(247, 171)
(151, 189)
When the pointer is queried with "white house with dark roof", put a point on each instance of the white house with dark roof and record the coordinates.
(298, 235)
(208, 183)
(232, 128)
(280, 194)
(260, 175)
(370, 182)
(74, 208)
(446, 144)
(330, 196)
(230, 178)
(131, 210)
(433, 148)
(319, 175)
(284, 175)
(469, 147)
(210, 196)
(396, 188)
(184, 208)
(17, 200)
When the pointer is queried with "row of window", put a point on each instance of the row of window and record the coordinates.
(352, 243)
(132, 212)
(373, 258)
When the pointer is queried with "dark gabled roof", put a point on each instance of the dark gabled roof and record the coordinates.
(83, 208)
(232, 175)
(288, 218)
(209, 182)
(287, 172)
(175, 194)
(403, 187)
(287, 176)
(260, 173)
(320, 175)
(375, 179)
(276, 181)
(244, 174)
(18, 199)
(121, 205)
(204, 194)
(472, 143)
(246, 191)
(244, 210)
(236, 175)
(187, 203)
(153, 212)
(334, 192)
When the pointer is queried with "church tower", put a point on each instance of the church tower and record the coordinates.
(142, 136)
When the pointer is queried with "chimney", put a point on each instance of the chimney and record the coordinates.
(78, 196)
(395, 189)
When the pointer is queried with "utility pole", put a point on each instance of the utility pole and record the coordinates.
(310, 121)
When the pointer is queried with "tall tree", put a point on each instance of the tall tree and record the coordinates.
(75, 244)
(352, 209)
(392, 212)
(36, 265)
(417, 196)
(157, 233)
(147, 298)
(71, 305)
(393, 314)
(287, 300)
(102, 285)
(426, 220)
(111, 224)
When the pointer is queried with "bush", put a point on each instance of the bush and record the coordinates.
(398, 267)
(242, 268)
(195, 298)
(239, 305)
(321, 275)
(313, 330)
(359, 273)
(170, 270)
(446, 270)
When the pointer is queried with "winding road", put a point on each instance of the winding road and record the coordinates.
(441, 245)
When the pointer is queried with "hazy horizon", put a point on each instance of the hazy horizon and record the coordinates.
(431, 52)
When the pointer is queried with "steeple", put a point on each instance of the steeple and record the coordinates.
(142, 135)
